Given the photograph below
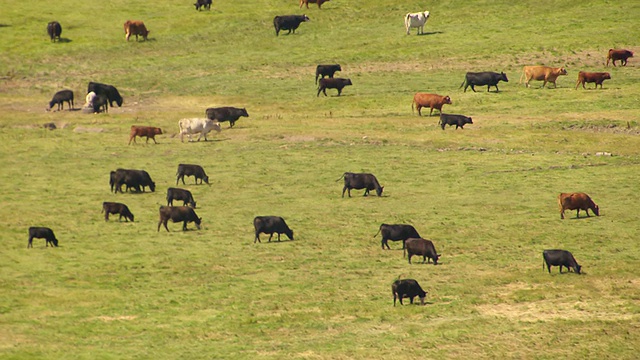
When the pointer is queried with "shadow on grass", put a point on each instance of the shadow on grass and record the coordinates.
(431, 33)
(64, 40)
(274, 241)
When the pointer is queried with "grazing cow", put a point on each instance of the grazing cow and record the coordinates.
(180, 194)
(576, 201)
(433, 101)
(332, 83)
(132, 179)
(135, 27)
(54, 29)
(288, 22)
(544, 73)
(360, 181)
(191, 170)
(226, 113)
(42, 233)
(396, 232)
(100, 103)
(410, 288)
(270, 225)
(619, 54)
(483, 78)
(327, 70)
(116, 208)
(60, 97)
(592, 77)
(421, 247)
(197, 125)
(307, 2)
(203, 4)
(416, 20)
(146, 131)
(109, 91)
(177, 214)
(457, 120)
(560, 258)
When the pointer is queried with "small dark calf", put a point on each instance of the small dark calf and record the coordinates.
(54, 29)
(560, 258)
(458, 120)
(203, 4)
(180, 194)
(116, 208)
(60, 97)
(100, 104)
(407, 288)
(421, 247)
(42, 233)
(327, 70)
(332, 83)
(191, 170)
(270, 225)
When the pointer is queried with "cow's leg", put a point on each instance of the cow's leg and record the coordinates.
(349, 191)
(30, 243)
(577, 213)
(366, 192)
(106, 216)
(278, 236)
(431, 112)
(270, 236)
(339, 91)
(184, 225)
(409, 255)
(324, 91)
(343, 190)
(587, 211)
(257, 237)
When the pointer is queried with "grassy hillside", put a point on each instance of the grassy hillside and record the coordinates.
(485, 195)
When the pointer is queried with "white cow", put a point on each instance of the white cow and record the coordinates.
(416, 20)
(197, 125)
(89, 99)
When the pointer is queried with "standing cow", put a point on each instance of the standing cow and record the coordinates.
(270, 225)
(182, 214)
(433, 101)
(144, 131)
(327, 70)
(288, 22)
(416, 20)
(197, 125)
(619, 54)
(454, 119)
(396, 232)
(332, 83)
(560, 258)
(592, 77)
(54, 29)
(109, 91)
(136, 179)
(421, 247)
(410, 288)
(135, 27)
(42, 233)
(203, 4)
(542, 73)
(60, 97)
(226, 113)
(116, 208)
(577, 201)
(360, 181)
(191, 170)
(180, 194)
(483, 78)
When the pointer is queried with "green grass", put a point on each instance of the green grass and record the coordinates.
(485, 195)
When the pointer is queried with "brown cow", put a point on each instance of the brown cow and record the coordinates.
(592, 77)
(146, 131)
(306, 2)
(433, 101)
(619, 54)
(116, 208)
(135, 27)
(576, 201)
(544, 73)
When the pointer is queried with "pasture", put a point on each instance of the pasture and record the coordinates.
(485, 195)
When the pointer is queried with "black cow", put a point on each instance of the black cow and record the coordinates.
(360, 181)
(332, 83)
(191, 170)
(270, 225)
(327, 70)
(226, 113)
(204, 4)
(410, 288)
(421, 247)
(42, 233)
(116, 208)
(100, 103)
(560, 258)
(288, 22)
(109, 91)
(396, 232)
(132, 179)
(54, 29)
(180, 194)
(483, 78)
(177, 214)
(451, 119)
(60, 97)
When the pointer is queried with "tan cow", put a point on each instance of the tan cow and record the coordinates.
(576, 201)
(433, 101)
(544, 73)
(592, 77)
(135, 27)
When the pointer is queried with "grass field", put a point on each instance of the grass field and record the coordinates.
(485, 195)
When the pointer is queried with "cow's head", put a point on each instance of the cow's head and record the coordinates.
(596, 210)
(152, 186)
(503, 77)
(348, 82)
(379, 190)
(562, 71)
(289, 234)
(607, 76)
(577, 268)
(157, 131)
(130, 217)
(244, 112)
(206, 179)
(55, 242)
(468, 120)
(192, 203)
(447, 100)
(305, 18)
(435, 259)
(198, 221)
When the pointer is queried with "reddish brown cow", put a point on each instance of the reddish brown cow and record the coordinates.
(592, 77)
(135, 27)
(576, 201)
(433, 101)
(306, 2)
(146, 131)
(619, 54)
(544, 73)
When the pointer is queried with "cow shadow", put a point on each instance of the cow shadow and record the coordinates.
(274, 241)
(431, 33)
(64, 40)
(4, 25)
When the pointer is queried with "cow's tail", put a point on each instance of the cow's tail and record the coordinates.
(521, 77)
(412, 103)
(378, 232)
(341, 177)
(463, 82)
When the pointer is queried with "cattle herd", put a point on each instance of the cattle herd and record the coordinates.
(100, 96)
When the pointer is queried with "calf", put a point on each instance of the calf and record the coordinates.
(109, 91)
(89, 99)
(288, 22)
(396, 232)
(203, 4)
(178, 214)
(619, 54)
(592, 77)
(54, 29)
(60, 97)
(226, 113)
(421, 247)
(433, 101)
(560, 258)
(270, 225)
(332, 83)
(576, 201)
(42, 233)
(327, 70)
(483, 78)
(135, 27)
(100, 103)
(180, 194)
(416, 20)
(116, 208)
(457, 120)
(146, 131)
(191, 170)
(307, 2)
(360, 181)
(542, 73)
(197, 125)
(410, 288)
